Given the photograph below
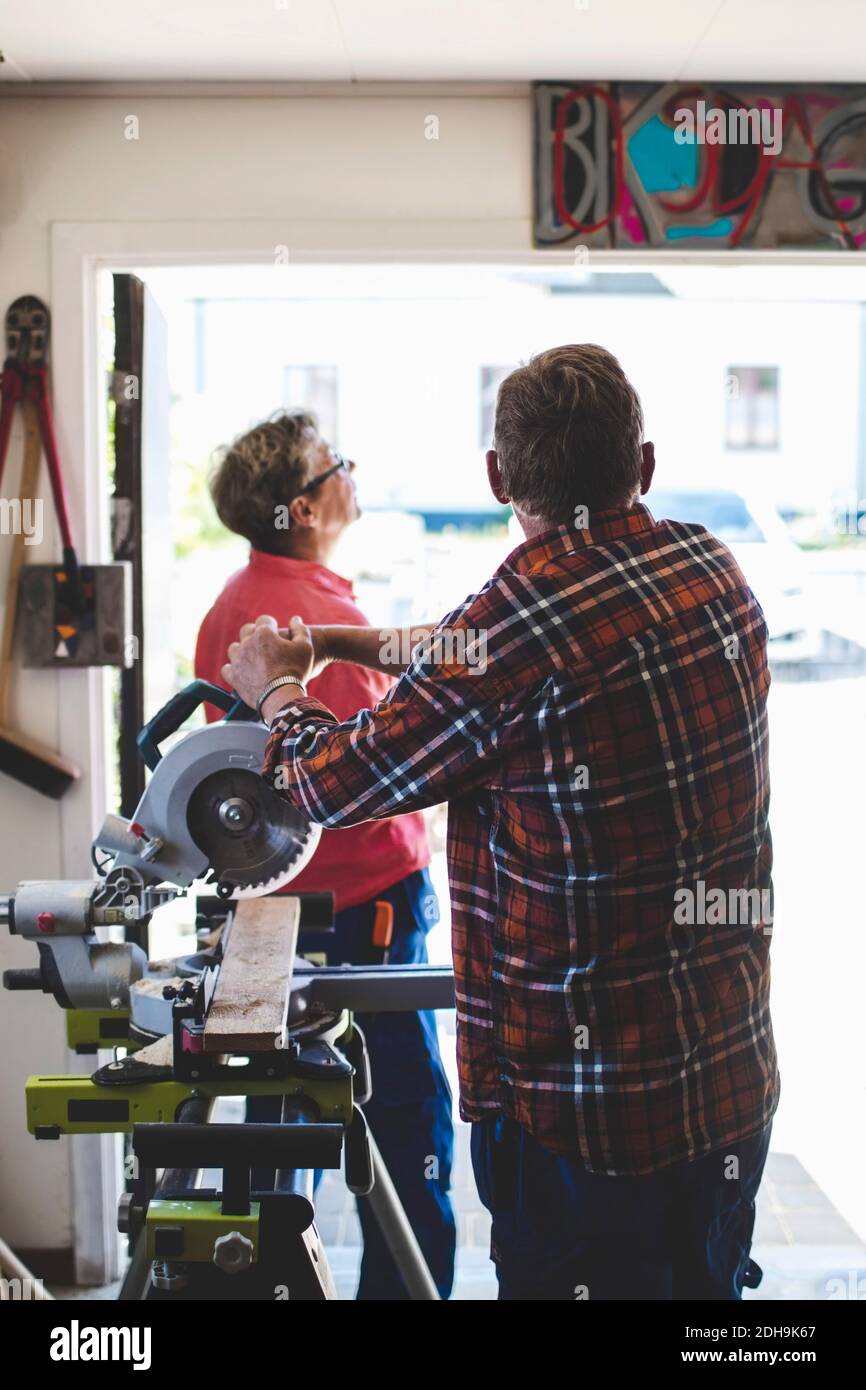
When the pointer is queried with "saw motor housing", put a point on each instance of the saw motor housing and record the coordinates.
(206, 812)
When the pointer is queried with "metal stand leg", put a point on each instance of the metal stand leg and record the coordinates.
(399, 1236)
(136, 1283)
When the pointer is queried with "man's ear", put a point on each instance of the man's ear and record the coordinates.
(648, 466)
(494, 478)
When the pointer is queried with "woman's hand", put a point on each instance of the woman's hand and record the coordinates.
(263, 652)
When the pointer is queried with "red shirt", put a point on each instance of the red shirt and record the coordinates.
(354, 864)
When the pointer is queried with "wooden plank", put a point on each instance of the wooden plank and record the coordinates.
(251, 1000)
(157, 1054)
(27, 489)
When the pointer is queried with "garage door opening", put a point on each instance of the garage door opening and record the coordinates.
(753, 382)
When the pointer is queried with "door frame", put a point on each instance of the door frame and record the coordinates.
(79, 251)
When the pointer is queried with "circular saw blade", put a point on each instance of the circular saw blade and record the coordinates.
(255, 841)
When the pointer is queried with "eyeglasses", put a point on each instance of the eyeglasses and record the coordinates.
(342, 462)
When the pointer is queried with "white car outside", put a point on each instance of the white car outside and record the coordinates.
(771, 562)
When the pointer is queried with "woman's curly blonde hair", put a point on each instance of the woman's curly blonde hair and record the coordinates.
(261, 471)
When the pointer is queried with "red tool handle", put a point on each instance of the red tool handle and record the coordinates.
(13, 392)
(38, 377)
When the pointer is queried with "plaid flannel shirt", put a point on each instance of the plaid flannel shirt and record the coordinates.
(606, 764)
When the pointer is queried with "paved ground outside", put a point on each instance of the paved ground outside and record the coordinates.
(804, 1246)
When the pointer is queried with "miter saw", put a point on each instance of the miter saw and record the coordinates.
(207, 814)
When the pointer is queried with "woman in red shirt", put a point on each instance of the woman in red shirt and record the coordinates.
(287, 492)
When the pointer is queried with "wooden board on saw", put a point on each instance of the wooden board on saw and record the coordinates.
(251, 1000)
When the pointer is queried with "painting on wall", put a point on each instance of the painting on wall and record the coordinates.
(638, 165)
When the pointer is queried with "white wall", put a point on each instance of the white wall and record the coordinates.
(330, 160)
(205, 160)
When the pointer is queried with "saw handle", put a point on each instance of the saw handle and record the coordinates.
(168, 720)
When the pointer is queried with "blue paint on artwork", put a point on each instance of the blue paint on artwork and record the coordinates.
(662, 165)
(723, 226)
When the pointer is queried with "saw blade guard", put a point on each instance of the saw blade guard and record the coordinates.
(207, 811)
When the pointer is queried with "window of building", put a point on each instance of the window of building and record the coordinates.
(752, 408)
(491, 380)
(313, 388)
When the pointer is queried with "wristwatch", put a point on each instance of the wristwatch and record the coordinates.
(275, 684)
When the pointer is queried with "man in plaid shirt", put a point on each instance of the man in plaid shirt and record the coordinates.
(596, 719)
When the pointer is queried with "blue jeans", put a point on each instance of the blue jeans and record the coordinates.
(409, 1112)
(561, 1233)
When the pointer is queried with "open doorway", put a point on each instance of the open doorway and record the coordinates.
(752, 382)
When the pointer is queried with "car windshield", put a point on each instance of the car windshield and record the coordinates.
(723, 513)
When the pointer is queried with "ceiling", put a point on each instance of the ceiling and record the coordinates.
(447, 40)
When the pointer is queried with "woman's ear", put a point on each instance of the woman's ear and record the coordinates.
(301, 514)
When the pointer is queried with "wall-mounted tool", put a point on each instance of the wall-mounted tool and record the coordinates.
(69, 614)
(24, 758)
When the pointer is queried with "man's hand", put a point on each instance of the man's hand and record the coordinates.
(322, 654)
(262, 652)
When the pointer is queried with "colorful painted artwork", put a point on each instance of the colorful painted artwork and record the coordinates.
(637, 165)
